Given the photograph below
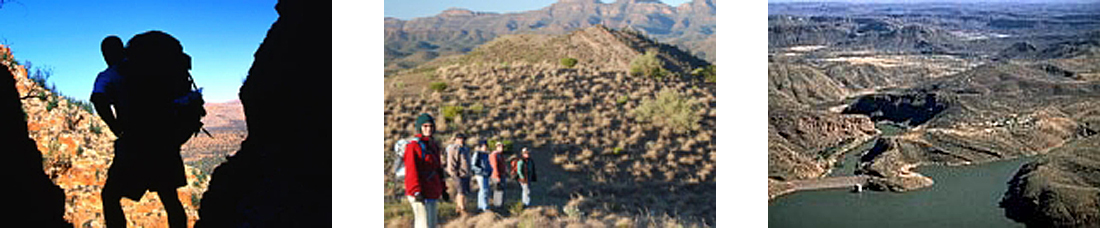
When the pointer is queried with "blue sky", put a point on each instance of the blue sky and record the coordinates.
(408, 9)
(220, 36)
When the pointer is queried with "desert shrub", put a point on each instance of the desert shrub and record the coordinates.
(96, 128)
(51, 104)
(568, 62)
(87, 106)
(438, 86)
(195, 200)
(618, 150)
(670, 110)
(648, 65)
(707, 73)
(7, 57)
(622, 100)
(516, 208)
(507, 144)
(477, 108)
(452, 111)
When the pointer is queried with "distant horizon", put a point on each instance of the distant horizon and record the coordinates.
(412, 9)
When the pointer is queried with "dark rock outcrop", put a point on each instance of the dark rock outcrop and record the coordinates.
(914, 109)
(1059, 190)
(281, 175)
(37, 200)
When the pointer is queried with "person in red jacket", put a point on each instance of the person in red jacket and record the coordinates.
(500, 170)
(424, 174)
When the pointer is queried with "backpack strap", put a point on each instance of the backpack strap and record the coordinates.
(424, 149)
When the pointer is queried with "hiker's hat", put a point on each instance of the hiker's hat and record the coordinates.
(422, 119)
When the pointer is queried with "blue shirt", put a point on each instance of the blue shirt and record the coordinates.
(108, 82)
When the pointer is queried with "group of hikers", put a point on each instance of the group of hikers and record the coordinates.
(425, 169)
(145, 97)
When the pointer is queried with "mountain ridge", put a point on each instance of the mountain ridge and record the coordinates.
(690, 25)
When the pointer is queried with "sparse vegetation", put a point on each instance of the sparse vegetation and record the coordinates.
(477, 108)
(95, 128)
(87, 106)
(516, 208)
(51, 104)
(438, 86)
(507, 144)
(452, 111)
(580, 117)
(648, 65)
(707, 73)
(670, 110)
(568, 62)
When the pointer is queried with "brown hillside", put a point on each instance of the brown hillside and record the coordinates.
(586, 124)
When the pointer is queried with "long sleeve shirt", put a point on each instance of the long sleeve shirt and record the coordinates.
(496, 159)
(458, 162)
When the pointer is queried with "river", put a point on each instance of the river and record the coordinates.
(962, 196)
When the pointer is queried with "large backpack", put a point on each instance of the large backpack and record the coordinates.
(513, 168)
(189, 109)
(157, 72)
(399, 150)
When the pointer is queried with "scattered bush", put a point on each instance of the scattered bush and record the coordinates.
(618, 150)
(87, 106)
(516, 209)
(477, 108)
(51, 104)
(622, 100)
(507, 144)
(648, 65)
(707, 73)
(670, 110)
(438, 86)
(452, 111)
(568, 62)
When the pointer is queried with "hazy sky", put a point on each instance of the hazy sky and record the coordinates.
(220, 36)
(408, 9)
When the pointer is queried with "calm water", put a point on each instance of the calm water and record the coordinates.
(965, 196)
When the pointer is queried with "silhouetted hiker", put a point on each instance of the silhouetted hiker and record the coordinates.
(424, 174)
(458, 167)
(525, 172)
(482, 170)
(154, 126)
(500, 170)
(107, 83)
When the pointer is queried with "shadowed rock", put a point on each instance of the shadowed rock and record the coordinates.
(36, 199)
(281, 175)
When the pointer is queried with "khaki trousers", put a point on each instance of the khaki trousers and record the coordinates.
(425, 213)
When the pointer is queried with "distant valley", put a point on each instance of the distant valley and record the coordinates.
(964, 84)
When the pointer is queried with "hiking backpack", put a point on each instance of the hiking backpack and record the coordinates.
(399, 150)
(189, 108)
(513, 170)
